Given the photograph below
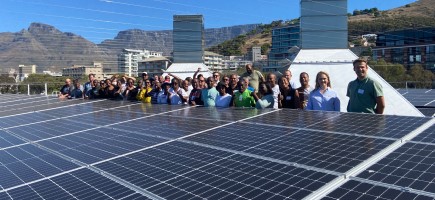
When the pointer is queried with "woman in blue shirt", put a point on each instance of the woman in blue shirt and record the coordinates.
(323, 97)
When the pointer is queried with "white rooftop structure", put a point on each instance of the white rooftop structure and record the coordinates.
(184, 70)
(338, 64)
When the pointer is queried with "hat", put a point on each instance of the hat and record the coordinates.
(144, 73)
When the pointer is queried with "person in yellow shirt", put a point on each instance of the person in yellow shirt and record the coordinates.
(143, 94)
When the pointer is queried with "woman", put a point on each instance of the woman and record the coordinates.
(223, 100)
(303, 93)
(267, 99)
(323, 97)
(287, 93)
(130, 91)
(143, 95)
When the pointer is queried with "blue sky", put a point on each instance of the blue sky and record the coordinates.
(97, 20)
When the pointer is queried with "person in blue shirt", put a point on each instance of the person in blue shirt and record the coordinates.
(323, 97)
(87, 88)
(209, 94)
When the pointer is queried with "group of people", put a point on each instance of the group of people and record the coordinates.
(250, 89)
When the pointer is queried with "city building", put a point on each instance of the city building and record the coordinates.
(79, 71)
(254, 54)
(213, 61)
(285, 45)
(324, 24)
(154, 65)
(128, 60)
(408, 47)
(25, 70)
(188, 38)
(188, 47)
(57, 74)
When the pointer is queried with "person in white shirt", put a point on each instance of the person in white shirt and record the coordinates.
(223, 100)
(271, 80)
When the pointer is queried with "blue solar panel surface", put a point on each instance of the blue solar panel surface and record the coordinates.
(77, 149)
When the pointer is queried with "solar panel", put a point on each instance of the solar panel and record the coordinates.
(410, 166)
(127, 150)
(360, 190)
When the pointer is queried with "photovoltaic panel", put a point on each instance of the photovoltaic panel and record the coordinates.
(371, 125)
(293, 118)
(410, 166)
(80, 184)
(99, 144)
(426, 136)
(181, 152)
(359, 190)
(185, 171)
(27, 163)
(7, 140)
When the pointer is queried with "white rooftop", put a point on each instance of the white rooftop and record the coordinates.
(184, 70)
(338, 63)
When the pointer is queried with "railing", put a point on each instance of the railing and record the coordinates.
(29, 89)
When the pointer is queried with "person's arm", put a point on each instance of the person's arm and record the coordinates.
(297, 100)
(261, 77)
(337, 103)
(380, 105)
(196, 73)
(310, 103)
(176, 77)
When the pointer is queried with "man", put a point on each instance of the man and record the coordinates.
(365, 94)
(288, 75)
(87, 89)
(271, 79)
(243, 97)
(77, 92)
(234, 84)
(195, 94)
(254, 77)
(66, 89)
(201, 81)
(209, 94)
(216, 77)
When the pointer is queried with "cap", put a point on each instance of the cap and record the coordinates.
(144, 73)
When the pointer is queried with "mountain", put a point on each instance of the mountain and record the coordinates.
(162, 40)
(44, 45)
(48, 48)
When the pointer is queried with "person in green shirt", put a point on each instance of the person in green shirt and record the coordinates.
(365, 94)
(243, 97)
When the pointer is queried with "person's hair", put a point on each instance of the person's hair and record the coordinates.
(219, 86)
(268, 88)
(225, 76)
(189, 79)
(317, 79)
(302, 73)
(91, 75)
(359, 60)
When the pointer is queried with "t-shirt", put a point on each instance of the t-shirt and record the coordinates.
(154, 94)
(208, 96)
(175, 98)
(244, 99)
(276, 92)
(362, 95)
(66, 89)
(76, 93)
(195, 95)
(162, 98)
(87, 89)
(254, 78)
(223, 101)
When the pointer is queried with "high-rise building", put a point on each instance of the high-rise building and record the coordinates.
(324, 24)
(188, 36)
(408, 47)
(285, 43)
(128, 60)
(25, 70)
(254, 54)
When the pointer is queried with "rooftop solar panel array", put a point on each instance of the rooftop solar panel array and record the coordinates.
(419, 97)
(76, 149)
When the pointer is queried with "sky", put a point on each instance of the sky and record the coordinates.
(97, 20)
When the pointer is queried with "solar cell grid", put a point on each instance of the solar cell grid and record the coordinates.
(8, 140)
(371, 125)
(358, 190)
(427, 135)
(220, 114)
(22, 109)
(293, 118)
(410, 166)
(27, 163)
(185, 170)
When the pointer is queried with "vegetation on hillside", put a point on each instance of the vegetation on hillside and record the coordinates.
(397, 75)
(237, 46)
(372, 11)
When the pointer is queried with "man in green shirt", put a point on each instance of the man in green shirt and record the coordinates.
(365, 94)
(243, 97)
(254, 77)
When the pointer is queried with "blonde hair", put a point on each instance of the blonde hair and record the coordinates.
(317, 79)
